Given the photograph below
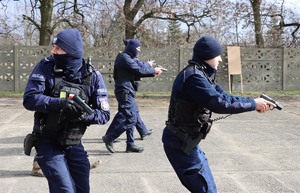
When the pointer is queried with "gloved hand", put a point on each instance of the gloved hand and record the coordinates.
(71, 110)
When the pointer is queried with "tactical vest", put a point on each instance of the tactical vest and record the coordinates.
(67, 132)
(189, 116)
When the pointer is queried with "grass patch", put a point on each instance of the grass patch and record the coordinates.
(153, 94)
(273, 94)
(11, 94)
(286, 94)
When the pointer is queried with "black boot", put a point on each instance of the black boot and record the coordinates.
(148, 133)
(109, 144)
(134, 148)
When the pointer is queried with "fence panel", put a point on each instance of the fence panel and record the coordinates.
(7, 68)
(291, 69)
(262, 69)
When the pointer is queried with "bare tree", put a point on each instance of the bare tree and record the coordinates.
(257, 22)
(108, 22)
(8, 26)
(188, 12)
(45, 24)
(294, 24)
(104, 25)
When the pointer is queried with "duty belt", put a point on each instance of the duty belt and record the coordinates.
(188, 143)
(179, 133)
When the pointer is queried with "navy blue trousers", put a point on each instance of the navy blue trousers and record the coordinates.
(192, 170)
(126, 119)
(140, 126)
(67, 169)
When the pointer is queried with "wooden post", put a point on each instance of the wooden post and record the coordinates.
(284, 68)
(16, 68)
(234, 65)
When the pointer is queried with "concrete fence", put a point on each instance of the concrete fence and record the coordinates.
(262, 69)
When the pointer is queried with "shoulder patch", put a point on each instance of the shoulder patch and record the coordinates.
(104, 104)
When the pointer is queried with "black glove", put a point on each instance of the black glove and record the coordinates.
(71, 110)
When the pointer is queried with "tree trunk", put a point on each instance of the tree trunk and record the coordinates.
(257, 23)
(46, 31)
(129, 31)
(130, 11)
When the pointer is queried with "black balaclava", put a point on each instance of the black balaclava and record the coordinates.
(131, 45)
(206, 48)
(70, 41)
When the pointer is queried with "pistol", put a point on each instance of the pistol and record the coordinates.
(162, 68)
(85, 107)
(266, 97)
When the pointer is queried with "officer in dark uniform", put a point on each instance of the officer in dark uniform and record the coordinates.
(128, 70)
(141, 127)
(60, 121)
(193, 99)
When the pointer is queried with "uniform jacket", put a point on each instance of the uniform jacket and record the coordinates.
(37, 95)
(127, 70)
(192, 85)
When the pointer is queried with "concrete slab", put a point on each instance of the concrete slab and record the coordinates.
(250, 152)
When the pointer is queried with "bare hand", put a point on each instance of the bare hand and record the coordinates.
(263, 105)
(151, 63)
(158, 71)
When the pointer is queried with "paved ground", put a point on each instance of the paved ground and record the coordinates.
(248, 153)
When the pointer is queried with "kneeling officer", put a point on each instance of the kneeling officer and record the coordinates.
(60, 121)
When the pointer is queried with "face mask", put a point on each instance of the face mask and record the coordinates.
(209, 70)
(132, 50)
(68, 64)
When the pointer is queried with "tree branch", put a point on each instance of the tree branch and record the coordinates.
(25, 17)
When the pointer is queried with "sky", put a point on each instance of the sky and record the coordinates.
(15, 10)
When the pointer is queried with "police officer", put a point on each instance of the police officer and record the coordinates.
(141, 127)
(128, 70)
(62, 121)
(193, 99)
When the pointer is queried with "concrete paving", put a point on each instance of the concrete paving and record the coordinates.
(248, 153)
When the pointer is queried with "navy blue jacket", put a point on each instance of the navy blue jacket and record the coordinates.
(127, 70)
(192, 85)
(38, 91)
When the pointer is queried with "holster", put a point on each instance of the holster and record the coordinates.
(124, 95)
(190, 139)
(190, 143)
(32, 138)
(30, 141)
(135, 85)
(205, 128)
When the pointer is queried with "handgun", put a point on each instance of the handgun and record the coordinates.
(80, 102)
(158, 66)
(266, 97)
(162, 68)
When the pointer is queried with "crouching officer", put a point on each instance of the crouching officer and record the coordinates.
(194, 97)
(69, 96)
